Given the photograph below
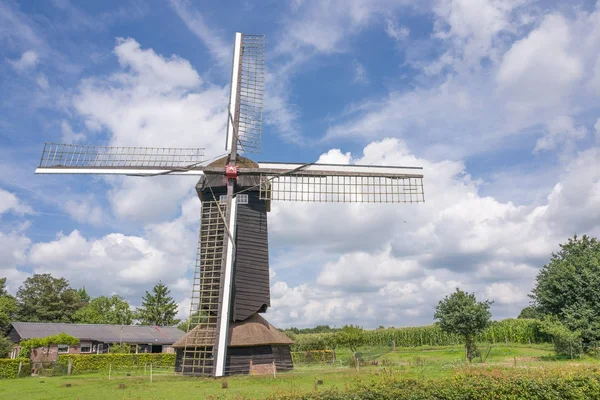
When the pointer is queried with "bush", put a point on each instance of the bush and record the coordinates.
(566, 342)
(9, 368)
(96, 362)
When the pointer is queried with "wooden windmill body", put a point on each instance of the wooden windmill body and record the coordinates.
(226, 332)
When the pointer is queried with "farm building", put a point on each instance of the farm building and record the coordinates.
(94, 338)
(253, 345)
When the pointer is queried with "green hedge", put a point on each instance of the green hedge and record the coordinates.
(96, 362)
(582, 384)
(9, 368)
(312, 356)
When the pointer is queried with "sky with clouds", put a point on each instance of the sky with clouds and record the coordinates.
(498, 100)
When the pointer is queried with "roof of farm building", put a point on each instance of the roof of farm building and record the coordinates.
(101, 332)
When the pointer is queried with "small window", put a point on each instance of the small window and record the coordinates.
(223, 199)
(85, 347)
(242, 199)
(63, 348)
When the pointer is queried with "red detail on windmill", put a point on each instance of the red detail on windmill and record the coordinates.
(231, 171)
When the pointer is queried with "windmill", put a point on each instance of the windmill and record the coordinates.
(226, 334)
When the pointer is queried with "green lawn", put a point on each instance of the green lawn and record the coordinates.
(420, 363)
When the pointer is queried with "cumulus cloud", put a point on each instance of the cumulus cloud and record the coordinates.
(416, 255)
(9, 202)
(152, 101)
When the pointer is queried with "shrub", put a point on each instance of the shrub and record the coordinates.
(9, 368)
(566, 342)
(581, 384)
(96, 362)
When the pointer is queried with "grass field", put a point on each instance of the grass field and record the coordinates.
(419, 363)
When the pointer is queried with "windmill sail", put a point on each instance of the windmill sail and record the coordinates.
(248, 85)
(59, 158)
(340, 183)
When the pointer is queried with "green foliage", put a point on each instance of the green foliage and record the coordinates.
(3, 291)
(158, 307)
(61, 338)
(482, 385)
(350, 337)
(312, 356)
(569, 287)
(105, 310)
(566, 342)
(83, 295)
(95, 362)
(316, 329)
(6, 346)
(43, 298)
(8, 308)
(9, 368)
(461, 314)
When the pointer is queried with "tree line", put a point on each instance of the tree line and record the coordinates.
(44, 298)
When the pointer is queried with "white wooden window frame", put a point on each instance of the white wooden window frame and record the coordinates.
(63, 352)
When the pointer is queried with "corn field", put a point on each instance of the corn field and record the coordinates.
(523, 331)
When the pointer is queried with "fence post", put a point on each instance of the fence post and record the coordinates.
(274, 370)
(109, 370)
(150, 372)
(20, 367)
(70, 367)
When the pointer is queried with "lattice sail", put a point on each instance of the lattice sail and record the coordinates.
(342, 189)
(198, 356)
(58, 155)
(251, 92)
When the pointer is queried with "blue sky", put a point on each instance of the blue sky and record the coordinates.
(498, 101)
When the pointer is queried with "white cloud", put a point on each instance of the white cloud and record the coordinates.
(597, 128)
(394, 262)
(219, 48)
(42, 81)
(540, 70)
(68, 135)
(561, 131)
(85, 210)
(360, 73)
(11, 203)
(395, 32)
(27, 61)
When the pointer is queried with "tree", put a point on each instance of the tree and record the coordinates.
(8, 307)
(43, 298)
(461, 313)
(105, 310)
(350, 337)
(531, 312)
(158, 307)
(3, 291)
(569, 287)
(83, 295)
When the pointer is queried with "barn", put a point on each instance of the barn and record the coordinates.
(254, 346)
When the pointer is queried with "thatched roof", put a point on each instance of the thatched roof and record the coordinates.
(253, 331)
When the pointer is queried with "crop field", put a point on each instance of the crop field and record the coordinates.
(424, 363)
